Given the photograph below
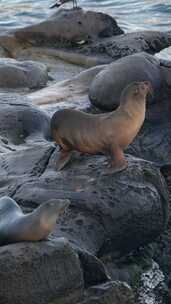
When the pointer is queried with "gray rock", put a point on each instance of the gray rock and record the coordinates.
(15, 74)
(154, 141)
(106, 211)
(94, 271)
(130, 43)
(70, 26)
(40, 273)
(109, 293)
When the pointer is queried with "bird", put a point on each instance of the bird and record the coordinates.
(57, 4)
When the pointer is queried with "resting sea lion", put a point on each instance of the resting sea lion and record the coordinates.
(106, 87)
(16, 226)
(109, 133)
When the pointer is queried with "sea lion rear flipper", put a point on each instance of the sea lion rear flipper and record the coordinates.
(63, 159)
(118, 162)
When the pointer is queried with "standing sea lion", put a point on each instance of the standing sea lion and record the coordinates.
(109, 133)
(16, 226)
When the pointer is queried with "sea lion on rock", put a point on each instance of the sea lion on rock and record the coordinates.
(108, 133)
(35, 226)
(106, 87)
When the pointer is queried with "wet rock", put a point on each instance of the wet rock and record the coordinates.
(106, 88)
(70, 27)
(15, 74)
(109, 293)
(94, 271)
(106, 210)
(68, 93)
(153, 143)
(40, 272)
(3, 53)
(22, 165)
(130, 43)
(150, 285)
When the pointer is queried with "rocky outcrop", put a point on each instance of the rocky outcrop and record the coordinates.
(68, 93)
(130, 43)
(70, 27)
(106, 210)
(95, 207)
(111, 218)
(109, 293)
(15, 74)
(41, 272)
(81, 37)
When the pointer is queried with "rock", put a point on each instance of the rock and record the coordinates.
(106, 88)
(9, 44)
(70, 27)
(130, 43)
(15, 74)
(3, 53)
(40, 272)
(109, 293)
(22, 165)
(21, 121)
(106, 211)
(153, 143)
(68, 93)
(94, 271)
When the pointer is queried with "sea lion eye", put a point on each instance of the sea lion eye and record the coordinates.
(136, 92)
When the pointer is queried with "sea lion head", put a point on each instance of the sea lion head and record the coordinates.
(57, 206)
(49, 212)
(137, 91)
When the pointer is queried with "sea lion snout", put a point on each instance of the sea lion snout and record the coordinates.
(145, 87)
(57, 205)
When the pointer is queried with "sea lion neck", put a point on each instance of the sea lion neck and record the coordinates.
(133, 105)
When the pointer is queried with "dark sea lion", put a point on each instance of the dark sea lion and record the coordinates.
(35, 226)
(108, 133)
(106, 87)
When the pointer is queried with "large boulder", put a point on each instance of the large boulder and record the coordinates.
(106, 211)
(106, 88)
(15, 74)
(70, 26)
(40, 273)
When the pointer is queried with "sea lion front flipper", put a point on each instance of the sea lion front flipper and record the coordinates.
(63, 159)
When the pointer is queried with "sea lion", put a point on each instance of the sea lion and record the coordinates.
(107, 85)
(15, 226)
(108, 133)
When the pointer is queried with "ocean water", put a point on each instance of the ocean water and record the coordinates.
(132, 15)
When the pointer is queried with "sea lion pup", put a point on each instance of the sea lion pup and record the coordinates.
(35, 226)
(108, 133)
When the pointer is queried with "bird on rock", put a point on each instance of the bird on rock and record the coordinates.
(61, 2)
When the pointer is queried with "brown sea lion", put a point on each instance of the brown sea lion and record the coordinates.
(35, 226)
(108, 133)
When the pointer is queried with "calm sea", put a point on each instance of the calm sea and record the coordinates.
(131, 15)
